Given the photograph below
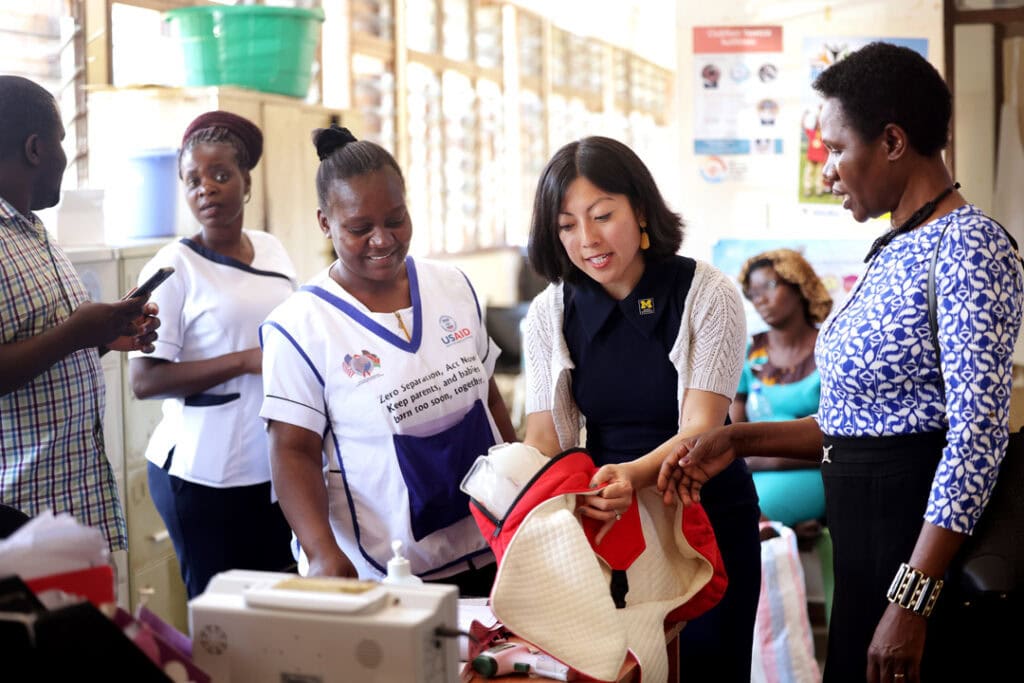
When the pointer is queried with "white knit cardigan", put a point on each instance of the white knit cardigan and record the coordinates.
(707, 354)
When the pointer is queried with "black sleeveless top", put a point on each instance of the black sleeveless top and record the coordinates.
(623, 381)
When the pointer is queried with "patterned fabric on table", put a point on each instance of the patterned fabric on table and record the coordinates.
(879, 372)
(51, 431)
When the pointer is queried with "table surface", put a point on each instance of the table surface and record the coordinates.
(629, 673)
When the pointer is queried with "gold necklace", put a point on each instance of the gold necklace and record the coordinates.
(401, 325)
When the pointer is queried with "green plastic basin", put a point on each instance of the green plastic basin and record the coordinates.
(264, 48)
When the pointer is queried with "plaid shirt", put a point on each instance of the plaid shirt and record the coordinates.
(51, 431)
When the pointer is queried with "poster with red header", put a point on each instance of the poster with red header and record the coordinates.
(737, 96)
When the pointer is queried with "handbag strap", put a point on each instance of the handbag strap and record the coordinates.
(933, 319)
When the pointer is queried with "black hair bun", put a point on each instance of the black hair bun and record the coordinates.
(329, 139)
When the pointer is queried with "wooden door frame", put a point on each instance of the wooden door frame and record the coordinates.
(999, 19)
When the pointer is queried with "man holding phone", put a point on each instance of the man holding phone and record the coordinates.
(52, 393)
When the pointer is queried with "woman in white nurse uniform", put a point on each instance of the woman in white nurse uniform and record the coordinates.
(209, 468)
(378, 385)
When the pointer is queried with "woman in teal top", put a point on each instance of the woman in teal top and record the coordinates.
(780, 380)
(780, 395)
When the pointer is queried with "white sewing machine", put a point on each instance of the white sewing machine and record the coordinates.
(256, 627)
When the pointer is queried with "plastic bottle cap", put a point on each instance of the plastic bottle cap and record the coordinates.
(485, 666)
(399, 570)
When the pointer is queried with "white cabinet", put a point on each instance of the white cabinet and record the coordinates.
(153, 573)
(140, 417)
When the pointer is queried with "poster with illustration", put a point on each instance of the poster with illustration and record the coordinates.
(837, 262)
(819, 54)
(737, 99)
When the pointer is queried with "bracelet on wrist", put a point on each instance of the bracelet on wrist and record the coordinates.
(914, 590)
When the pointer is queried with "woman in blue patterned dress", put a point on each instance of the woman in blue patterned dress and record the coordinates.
(910, 448)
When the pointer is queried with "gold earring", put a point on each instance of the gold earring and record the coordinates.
(645, 240)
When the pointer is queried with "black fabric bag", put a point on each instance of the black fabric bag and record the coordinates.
(991, 562)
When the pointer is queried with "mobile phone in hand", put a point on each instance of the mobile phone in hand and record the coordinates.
(147, 287)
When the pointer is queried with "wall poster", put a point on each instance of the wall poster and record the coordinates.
(736, 100)
(819, 53)
(839, 263)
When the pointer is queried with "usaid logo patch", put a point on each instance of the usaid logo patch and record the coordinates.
(453, 334)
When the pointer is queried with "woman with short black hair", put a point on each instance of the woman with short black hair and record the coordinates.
(910, 446)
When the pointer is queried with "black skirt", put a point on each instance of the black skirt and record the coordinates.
(876, 493)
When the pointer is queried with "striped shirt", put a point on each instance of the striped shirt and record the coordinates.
(51, 432)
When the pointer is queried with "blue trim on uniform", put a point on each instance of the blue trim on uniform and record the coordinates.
(465, 558)
(223, 260)
(294, 343)
(352, 508)
(411, 345)
(355, 524)
(414, 294)
(202, 400)
(479, 314)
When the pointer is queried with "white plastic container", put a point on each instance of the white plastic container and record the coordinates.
(399, 571)
(77, 221)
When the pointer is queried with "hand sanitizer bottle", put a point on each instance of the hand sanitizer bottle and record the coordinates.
(398, 567)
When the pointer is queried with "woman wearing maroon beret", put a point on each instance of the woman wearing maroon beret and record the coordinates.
(209, 467)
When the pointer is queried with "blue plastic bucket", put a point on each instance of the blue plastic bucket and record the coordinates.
(148, 189)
